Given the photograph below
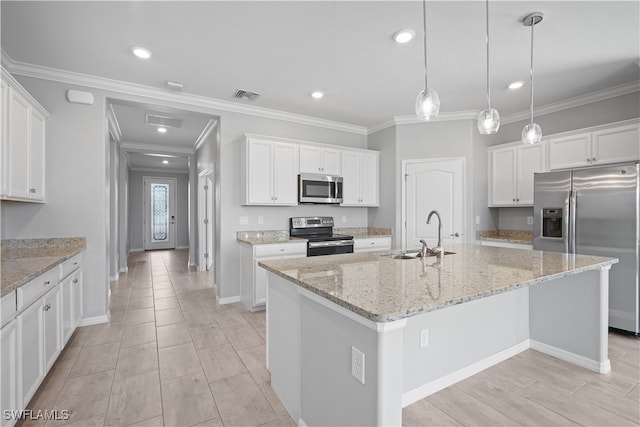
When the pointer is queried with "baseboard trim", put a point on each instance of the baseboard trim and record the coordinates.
(114, 278)
(301, 423)
(136, 250)
(228, 300)
(182, 247)
(95, 320)
(443, 382)
(124, 269)
(576, 359)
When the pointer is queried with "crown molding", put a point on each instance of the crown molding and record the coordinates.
(410, 120)
(205, 133)
(577, 101)
(69, 77)
(137, 147)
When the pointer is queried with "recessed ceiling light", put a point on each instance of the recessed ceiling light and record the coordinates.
(165, 162)
(516, 85)
(141, 52)
(404, 36)
(162, 130)
(317, 94)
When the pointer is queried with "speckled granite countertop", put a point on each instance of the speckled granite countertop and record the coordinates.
(266, 237)
(384, 289)
(26, 259)
(508, 236)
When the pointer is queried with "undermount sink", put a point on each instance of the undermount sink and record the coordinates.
(414, 255)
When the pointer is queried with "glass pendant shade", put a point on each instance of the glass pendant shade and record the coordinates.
(488, 121)
(531, 134)
(427, 104)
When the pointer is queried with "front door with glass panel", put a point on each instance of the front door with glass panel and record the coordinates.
(159, 213)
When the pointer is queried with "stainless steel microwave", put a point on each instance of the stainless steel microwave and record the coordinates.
(316, 188)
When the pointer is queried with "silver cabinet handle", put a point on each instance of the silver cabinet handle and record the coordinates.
(47, 283)
(455, 235)
(75, 281)
(593, 159)
(46, 307)
(588, 159)
(32, 190)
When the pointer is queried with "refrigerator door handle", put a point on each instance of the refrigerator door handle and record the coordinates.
(573, 208)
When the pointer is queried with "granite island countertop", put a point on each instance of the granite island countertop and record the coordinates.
(26, 259)
(383, 289)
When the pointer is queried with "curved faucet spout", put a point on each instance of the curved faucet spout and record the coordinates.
(439, 248)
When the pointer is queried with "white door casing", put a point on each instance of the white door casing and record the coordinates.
(163, 238)
(205, 220)
(433, 184)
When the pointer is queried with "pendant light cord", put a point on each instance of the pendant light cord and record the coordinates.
(531, 70)
(424, 38)
(488, 78)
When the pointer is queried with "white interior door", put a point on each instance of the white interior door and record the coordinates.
(433, 185)
(159, 213)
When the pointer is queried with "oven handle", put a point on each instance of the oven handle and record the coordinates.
(330, 243)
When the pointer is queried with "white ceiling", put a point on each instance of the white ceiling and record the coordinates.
(284, 50)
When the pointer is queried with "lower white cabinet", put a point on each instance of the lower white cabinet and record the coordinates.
(9, 394)
(372, 244)
(51, 327)
(30, 350)
(253, 278)
(76, 300)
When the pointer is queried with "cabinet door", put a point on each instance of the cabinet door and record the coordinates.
(310, 159)
(530, 160)
(76, 285)
(66, 308)
(368, 180)
(351, 178)
(259, 172)
(502, 177)
(619, 144)
(285, 174)
(37, 156)
(18, 156)
(51, 327)
(330, 161)
(9, 399)
(570, 152)
(30, 349)
(4, 148)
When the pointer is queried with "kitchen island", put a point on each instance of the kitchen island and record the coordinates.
(352, 339)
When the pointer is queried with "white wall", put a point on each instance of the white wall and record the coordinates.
(384, 141)
(136, 212)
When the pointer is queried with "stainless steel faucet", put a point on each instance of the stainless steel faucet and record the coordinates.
(439, 249)
(424, 250)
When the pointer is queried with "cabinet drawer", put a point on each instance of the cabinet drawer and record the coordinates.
(7, 308)
(281, 249)
(372, 244)
(70, 265)
(31, 291)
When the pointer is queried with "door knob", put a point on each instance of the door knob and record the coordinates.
(455, 235)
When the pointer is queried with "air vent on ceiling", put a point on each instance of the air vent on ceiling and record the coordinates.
(155, 120)
(246, 95)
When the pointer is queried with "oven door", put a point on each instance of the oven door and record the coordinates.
(319, 188)
(330, 247)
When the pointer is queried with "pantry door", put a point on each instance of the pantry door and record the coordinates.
(433, 184)
(159, 213)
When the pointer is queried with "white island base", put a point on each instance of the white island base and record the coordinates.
(310, 342)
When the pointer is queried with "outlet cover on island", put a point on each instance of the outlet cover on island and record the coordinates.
(244, 220)
(424, 338)
(357, 364)
(477, 219)
(260, 219)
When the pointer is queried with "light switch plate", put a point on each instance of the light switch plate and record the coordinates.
(530, 220)
(260, 219)
(244, 220)
(357, 364)
(424, 338)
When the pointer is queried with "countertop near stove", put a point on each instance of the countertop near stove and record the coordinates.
(26, 259)
(266, 237)
(506, 236)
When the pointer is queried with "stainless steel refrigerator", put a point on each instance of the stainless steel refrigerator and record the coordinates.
(595, 211)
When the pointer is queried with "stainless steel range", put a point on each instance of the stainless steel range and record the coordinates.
(318, 230)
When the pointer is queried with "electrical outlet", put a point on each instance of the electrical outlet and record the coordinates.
(244, 220)
(344, 219)
(530, 220)
(424, 338)
(357, 364)
(477, 219)
(260, 219)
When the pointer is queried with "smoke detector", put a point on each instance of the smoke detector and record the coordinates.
(246, 95)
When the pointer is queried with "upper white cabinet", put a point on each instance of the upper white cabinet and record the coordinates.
(270, 172)
(22, 144)
(511, 170)
(360, 178)
(319, 160)
(603, 145)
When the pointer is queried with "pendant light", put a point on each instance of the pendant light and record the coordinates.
(427, 101)
(532, 134)
(489, 119)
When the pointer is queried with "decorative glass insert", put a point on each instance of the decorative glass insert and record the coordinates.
(159, 212)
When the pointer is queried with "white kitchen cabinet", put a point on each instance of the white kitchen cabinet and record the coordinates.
(596, 146)
(23, 144)
(360, 178)
(511, 169)
(66, 308)
(76, 313)
(372, 244)
(253, 278)
(270, 172)
(70, 296)
(30, 349)
(319, 160)
(51, 327)
(9, 394)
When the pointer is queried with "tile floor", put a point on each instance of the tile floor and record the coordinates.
(172, 356)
